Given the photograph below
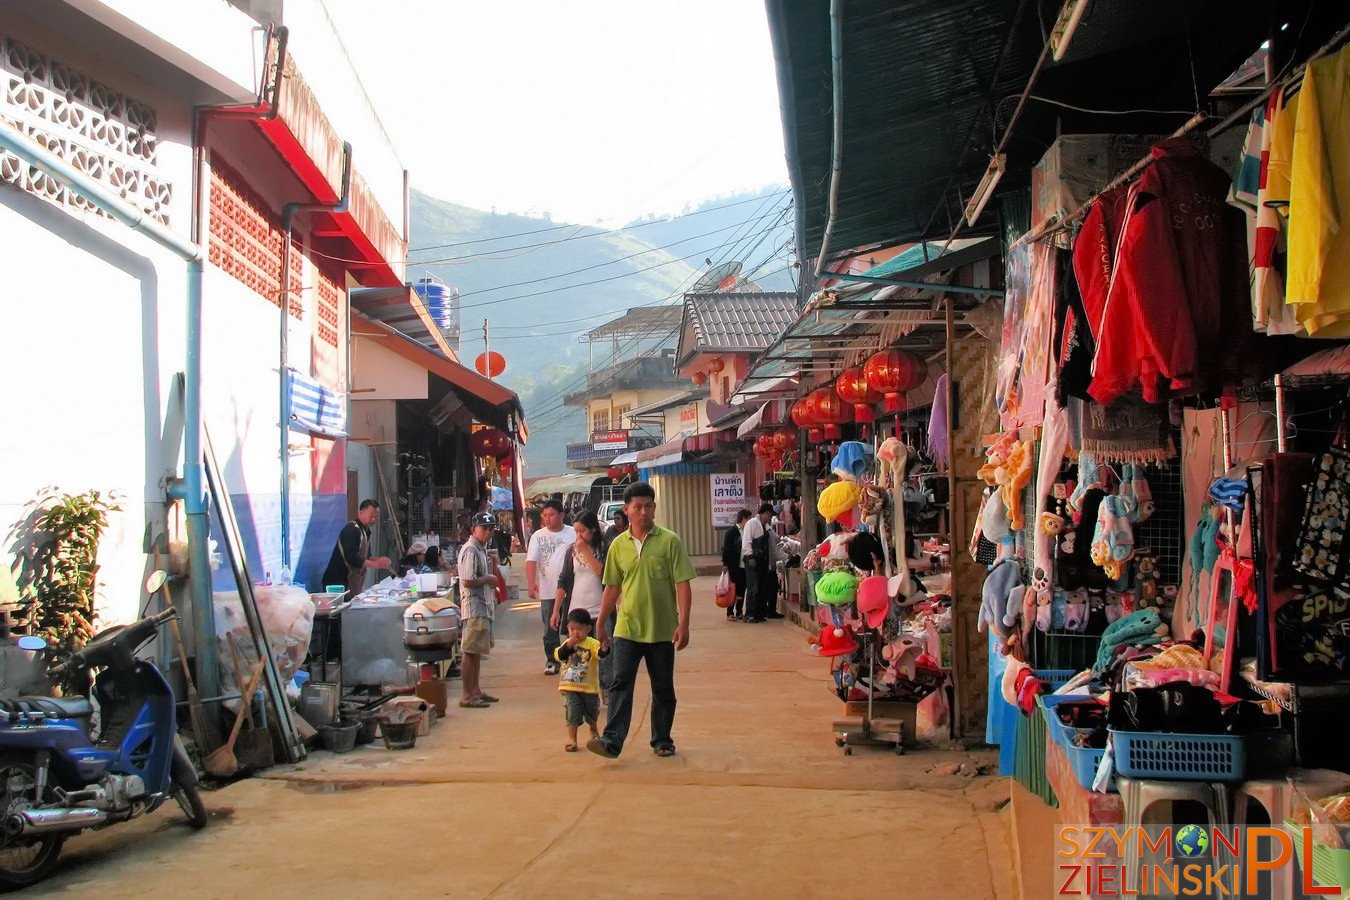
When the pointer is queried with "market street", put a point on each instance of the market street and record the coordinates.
(759, 801)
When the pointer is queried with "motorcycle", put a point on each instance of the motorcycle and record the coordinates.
(59, 780)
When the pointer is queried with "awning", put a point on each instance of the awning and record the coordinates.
(672, 451)
(752, 423)
(666, 403)
(624, 459)
(926, 82)
(489, 402)
(561, 484)
(403, 310)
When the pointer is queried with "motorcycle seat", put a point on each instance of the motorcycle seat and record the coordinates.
(65, 707)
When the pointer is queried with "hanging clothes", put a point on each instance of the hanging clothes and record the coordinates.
(1073, 344)
(1018, 285)
(1177, 315)
(1269, 311)
(1037, 330)
(1094, 253)
(1319, 200)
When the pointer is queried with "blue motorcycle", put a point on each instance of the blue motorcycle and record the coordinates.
(59, 780)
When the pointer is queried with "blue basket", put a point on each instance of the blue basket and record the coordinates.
(1082, 760)
(1178, 757)
(1009, 714)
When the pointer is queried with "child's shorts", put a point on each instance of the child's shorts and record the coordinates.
(578, 706)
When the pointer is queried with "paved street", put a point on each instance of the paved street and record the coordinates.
(758, 801)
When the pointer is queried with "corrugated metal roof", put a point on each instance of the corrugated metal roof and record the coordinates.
(920, 75)
(731, 322)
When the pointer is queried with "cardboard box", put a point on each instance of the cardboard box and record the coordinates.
(907, 714)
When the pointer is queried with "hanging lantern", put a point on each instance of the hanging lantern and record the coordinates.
(801, 416)
(491, 442)
(490, 364)
(716, 365)
(891, 373)
(851, 386)
(783, 439)
(828, 410)
(763, 447)
(699, 378)
(613, 473)
(630, 470)
(504, 466)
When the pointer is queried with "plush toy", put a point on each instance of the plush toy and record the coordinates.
(1031, 607)
(1043, 610)
(1116, 606)
(1059, 605)
(1076, 611)
(1143, 628)
(837, 588)
(1002, 578)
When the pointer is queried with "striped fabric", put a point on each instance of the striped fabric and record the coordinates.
(316, 409)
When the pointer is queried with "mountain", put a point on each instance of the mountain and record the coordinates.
(542, 285)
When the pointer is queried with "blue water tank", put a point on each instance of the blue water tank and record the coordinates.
(439, 301)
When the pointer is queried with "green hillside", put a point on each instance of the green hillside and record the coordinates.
(541, 285)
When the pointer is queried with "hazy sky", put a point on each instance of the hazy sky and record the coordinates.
(588, 110)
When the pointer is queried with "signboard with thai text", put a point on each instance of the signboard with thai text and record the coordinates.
(728, 497)
(609, 440)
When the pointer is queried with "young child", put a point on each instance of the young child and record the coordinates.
(579, 656)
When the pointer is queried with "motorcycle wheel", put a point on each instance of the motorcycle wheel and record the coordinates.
(190, 802)
(24, 862)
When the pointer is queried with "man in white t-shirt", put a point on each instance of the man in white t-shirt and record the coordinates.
(543, 563)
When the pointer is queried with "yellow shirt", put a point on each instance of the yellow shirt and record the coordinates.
(580, 667)
(1318, 283)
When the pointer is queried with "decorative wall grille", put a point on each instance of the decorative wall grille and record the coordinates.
(86, 123)
(246, 238)
(328, 296)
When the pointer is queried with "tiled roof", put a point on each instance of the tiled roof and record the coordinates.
(735, 322)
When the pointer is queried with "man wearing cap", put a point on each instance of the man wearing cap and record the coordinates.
(647, 565)
(478, 575)
(351, 555)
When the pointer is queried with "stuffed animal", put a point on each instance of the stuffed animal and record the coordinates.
(1076, 611)
(1002, 578)
(1143, 628)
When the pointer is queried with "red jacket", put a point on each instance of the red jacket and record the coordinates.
(1177, 311)
(1094, 252)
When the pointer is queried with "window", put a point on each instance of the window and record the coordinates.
(600, 420)
(619, 413)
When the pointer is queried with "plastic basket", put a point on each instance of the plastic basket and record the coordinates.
(1178, 757)
(1009, 715)
(1082, 760)
(1330, 865)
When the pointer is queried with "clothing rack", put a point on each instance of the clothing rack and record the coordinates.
(1061, 223)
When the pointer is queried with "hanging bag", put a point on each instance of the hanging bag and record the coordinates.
(725, 595)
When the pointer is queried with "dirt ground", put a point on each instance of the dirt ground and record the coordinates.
(758, 802)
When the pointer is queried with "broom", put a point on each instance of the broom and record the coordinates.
(222, 763)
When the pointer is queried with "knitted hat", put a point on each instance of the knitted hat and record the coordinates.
(836, 642)
(836, 502)
(874, 600)
(851, 460)
(837, 588)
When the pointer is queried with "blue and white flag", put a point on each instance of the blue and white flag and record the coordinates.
(316, 409)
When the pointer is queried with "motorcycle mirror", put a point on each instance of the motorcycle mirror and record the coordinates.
(32, 642)
(155, 581)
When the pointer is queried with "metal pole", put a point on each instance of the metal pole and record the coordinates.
(1280, 435)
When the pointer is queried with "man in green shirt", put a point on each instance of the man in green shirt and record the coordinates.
(648, 567)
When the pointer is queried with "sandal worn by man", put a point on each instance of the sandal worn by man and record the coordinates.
(475, 703)
(489, 698)
(570, 747)
(664, 750)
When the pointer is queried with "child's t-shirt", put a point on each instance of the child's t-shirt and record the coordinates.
(580, 667)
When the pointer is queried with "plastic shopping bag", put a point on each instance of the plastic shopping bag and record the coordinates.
(726, 592)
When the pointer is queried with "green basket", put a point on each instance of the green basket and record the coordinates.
(1029, 758)
(1330, 866)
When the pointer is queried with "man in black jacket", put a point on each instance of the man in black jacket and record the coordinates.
(731, 563)
(351, 556)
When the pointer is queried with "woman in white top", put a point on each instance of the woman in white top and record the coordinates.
(579, 585)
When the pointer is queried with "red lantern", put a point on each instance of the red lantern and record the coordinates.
(891, 373)
(613, 473)
(490, 364)
(630, 470)
(828, 410)
(699, 378)
(801, 415)
(504, 466)
(491, 442)
(763, 447)
(783, 439)
(851, 386)
(715, 365)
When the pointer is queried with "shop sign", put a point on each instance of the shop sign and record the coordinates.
(609, 440)
(689, 417)
(728, 497)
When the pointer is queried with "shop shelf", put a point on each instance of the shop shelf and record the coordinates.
(1178, 757)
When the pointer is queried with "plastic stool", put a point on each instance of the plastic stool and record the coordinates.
(1137, 796)
(1276, 798)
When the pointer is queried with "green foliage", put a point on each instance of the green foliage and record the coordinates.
(64, 566)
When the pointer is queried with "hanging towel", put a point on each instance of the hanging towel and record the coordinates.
(317, 409)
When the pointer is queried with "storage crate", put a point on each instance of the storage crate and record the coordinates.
(1009, 716)
(1178, 757)
(1330, 865)
(1083, 760)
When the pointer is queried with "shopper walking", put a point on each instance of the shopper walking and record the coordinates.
(581, 656)
(543, 565)
(478, 574)
(649, 566)
(733, 565)
(579, 584)
(757, 551)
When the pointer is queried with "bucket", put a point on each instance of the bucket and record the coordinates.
(365, 734)
(400, 735)
(340, 736)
